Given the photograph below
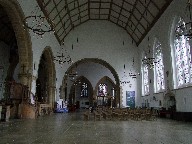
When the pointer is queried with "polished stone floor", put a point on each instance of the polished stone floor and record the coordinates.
(70, 128)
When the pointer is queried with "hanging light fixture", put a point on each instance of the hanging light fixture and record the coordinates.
(38, 23)
(62, 56)
(185, 24)
(124, 77)
(77, 82)
(72, 74)
(147, 60)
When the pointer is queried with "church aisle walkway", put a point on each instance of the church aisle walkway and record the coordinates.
(70, 128)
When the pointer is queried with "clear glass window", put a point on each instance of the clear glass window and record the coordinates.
(182, 59)
(159, 80)
(102, 89)
(84, 90)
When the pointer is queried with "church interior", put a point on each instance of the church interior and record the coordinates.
(95, 71)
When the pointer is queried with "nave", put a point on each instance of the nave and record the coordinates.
(71, 128)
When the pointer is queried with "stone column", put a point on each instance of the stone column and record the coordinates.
(7, 114)
(23, 78)
(52, 95)
(117, 95)
(0, 111)
(33, 84)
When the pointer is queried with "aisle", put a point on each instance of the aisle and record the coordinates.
(70, 128)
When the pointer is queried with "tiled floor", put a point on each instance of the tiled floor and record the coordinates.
(70, 128)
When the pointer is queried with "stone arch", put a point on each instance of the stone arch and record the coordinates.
(16, 17)
(51, 75)
(95, 60)
(78, 81)
(106, 79)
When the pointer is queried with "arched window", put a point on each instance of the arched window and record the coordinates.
(182, 59)
(145, 79)
(84, 90)
(159, 81)
(102, 89)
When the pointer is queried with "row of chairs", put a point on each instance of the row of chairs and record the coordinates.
(122, 114)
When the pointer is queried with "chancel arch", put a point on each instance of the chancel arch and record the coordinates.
(93, 74)
(45, 83)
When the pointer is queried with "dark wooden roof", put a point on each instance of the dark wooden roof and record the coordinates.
(135, 16)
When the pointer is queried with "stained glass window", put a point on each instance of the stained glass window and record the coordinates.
(145, 76)
(102, 89)
(182, 60)
(159, 81)
(84, 90)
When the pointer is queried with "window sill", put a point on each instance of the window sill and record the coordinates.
(183, 87)
(159, 92)
(145, 95)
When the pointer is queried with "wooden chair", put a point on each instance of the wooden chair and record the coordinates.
(143, 114)
(97, 115)
(86, 115)
(107, 114)
(131, 114)
(125, 114)
(137, 114)
(154, 114)
(119, 114)
(148, 114)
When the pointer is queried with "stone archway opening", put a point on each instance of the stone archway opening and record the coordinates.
(42, 81)
(22, 42)
(81, 93)
(9, 57)
(66, 86)
(45, 83)
(17, 71)
(16, 50)
(106, 92)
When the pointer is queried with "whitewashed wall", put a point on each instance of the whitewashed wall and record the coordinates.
(104, 40)
(39, 44)
(97, 39)
(162, 30)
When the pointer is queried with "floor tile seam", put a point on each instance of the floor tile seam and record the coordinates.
(174, 141)
(49, 132)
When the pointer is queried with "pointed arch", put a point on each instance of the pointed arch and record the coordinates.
(99, 61)
(51, 74)
(181, 55)
(76, 88)
(104, 79)
(16, 17)
(110, 99)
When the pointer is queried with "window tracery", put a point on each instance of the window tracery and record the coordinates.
(182, 59)
(159, 81)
